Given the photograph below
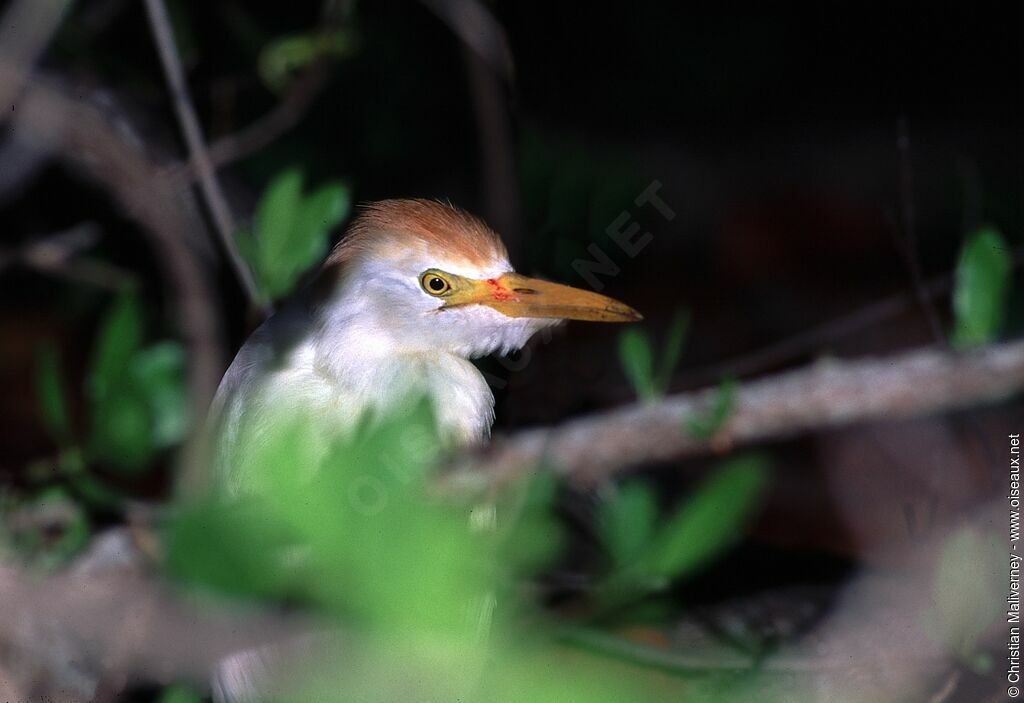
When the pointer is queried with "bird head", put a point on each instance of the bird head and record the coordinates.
(422, 276)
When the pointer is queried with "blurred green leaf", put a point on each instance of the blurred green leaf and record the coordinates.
(292, 231)
(637, 358)
(982, 288)
(231, 549)
(180, 694)
(137, 395)
(709, 520)
(159, 372)
(285, 55)
(122, 429)
(530, 536)
(707, 425)
(626, 523)
(120, 336)
(967, 589)
(638, 362)
(51, 395)
(120, 426)
(673, 350)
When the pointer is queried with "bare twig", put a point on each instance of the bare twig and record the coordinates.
(26, 28)
(826, 394)
(829, 332)
(56, 254)
(476, 26)
(906, 241)
(223, 220)
(285, 115)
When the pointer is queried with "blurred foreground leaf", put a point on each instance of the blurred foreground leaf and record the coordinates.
(180, 694)
(352, 529)
(967, 590)
(982, 288)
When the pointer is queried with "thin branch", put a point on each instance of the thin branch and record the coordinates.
(224, 224)
(263, 131)
(813, 339)
(26, 28)
(906, 242)
(57, 254)
(476, 26)
(825, 394)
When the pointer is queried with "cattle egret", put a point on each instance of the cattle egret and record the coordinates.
(414, 290)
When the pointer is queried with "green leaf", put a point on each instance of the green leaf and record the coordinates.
(122, 430)
(120, 337)
(982, 287)
(673, 350)
(638, 362)
(626, 523)
(710, 520)
(180, 694)
(51, 395)
(283, 56)
(967, 589)
(275, 219)
(530, 536)
(158, 371)
(707, 425)
(121, 418)
(291, 231)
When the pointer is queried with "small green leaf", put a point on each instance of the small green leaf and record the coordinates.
(638, 362)
(710, 520)
(283, 56)
(158, 371)
(291, 231)
(121, 419)
(51, 395)
(982, 287)
(626, 523)
(967, 589)
(673, 350)
(120, 337)
(707, 425)
(180, 694)
(275, 219)
(122, 430)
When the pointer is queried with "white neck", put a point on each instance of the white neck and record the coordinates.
(371, 369)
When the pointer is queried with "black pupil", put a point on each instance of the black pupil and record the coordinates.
(436, 284)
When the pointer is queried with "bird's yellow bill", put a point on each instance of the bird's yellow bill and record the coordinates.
(520, 296)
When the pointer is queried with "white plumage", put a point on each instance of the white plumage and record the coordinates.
(376, 329)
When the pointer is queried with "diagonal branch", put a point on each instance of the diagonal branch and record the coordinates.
(223, 220)
(826, 394)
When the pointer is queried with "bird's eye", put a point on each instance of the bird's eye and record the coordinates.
(434, 283)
